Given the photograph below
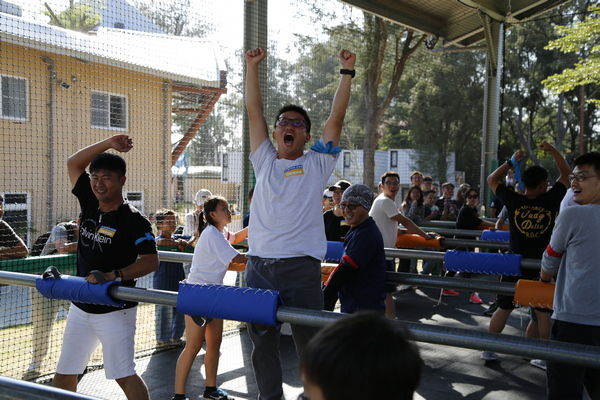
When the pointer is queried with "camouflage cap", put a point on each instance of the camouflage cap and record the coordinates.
(358, 194)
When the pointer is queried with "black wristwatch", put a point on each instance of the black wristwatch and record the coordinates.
(350, 72)
(509, 162)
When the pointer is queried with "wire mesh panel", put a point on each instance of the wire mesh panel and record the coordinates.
(170, 75)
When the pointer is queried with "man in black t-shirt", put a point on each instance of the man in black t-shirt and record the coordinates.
(116, 240)
(532, 217)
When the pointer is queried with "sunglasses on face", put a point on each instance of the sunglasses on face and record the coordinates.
(473, 196)
(349, 207)
(295, 122)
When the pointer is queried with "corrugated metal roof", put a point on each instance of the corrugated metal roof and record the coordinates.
(178, 58)
(455, 22)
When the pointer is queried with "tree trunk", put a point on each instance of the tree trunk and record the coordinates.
(561, 129)
(524, 137)
(581, 119)
(376, 104)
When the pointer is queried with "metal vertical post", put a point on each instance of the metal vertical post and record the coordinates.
(255, 35)
(494, 36)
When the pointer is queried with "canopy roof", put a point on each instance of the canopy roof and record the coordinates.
(455, 22)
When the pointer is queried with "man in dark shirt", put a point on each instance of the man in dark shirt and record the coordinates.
(116, 241)
(360, 276)
(532, 217)
(448, 208)
(335, 224)
(11, 245)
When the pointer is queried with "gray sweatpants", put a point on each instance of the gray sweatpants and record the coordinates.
(298, 280)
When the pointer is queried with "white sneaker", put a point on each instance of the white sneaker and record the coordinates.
(32, 372)
(541, 364)
(489, 356)
(286, 329)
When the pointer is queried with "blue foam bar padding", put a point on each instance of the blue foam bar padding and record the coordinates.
(335, 251)
(76, 288)
(483, 263)
(258, 306)
(495, 236)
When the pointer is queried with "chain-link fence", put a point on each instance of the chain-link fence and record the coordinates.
(169, 73)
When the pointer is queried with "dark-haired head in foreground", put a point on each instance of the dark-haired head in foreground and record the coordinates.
(362, 356)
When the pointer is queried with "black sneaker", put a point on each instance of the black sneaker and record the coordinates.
(217, 394)
(491, 309)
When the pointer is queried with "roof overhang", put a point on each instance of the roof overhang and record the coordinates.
(455, 22)
(177, 58)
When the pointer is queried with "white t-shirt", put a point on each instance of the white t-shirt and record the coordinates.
(568, 201)
(58, 232)
(212, 256)
(286, 207)
(191, 224)
(382, 211)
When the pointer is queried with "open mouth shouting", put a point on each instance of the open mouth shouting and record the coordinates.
(288, 139)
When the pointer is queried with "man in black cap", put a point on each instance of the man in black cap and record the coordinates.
(335, 224)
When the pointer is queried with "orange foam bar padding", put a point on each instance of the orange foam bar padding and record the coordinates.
(534, 294)
(413, 241)
(239, 267)
(326, 270)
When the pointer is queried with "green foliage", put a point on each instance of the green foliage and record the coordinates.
(173, 17)
(79, 16)
(582, 39)
(444, 112)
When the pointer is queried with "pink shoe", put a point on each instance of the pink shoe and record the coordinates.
(449, 292)
(475, 299)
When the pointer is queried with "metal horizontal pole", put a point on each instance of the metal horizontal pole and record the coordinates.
(526, 263)
(478, 285)
(531, 348)
(482, 244)
(453, 232)
(448, 224)
(14, 389)
(465, 338)
(173, 256)
(438, 224)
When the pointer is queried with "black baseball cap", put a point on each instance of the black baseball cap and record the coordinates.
(341, 184)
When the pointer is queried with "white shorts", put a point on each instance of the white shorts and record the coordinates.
(115, 330)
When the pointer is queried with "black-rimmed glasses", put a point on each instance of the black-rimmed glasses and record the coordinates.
(295, 122)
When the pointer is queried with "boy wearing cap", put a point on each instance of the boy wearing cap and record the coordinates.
(193, 218)
(359, 278)
(335, 223)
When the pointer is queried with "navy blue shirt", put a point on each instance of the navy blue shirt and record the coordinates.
(169, 274)
(364, 253)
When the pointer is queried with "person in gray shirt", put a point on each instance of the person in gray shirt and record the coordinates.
(573, 256)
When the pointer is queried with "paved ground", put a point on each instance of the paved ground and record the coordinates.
(450, 373)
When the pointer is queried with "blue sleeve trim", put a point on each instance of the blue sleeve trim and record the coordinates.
(517, 165)
(147, 236)
(328, 148)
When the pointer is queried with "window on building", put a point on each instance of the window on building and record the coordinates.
(17, 213)
(225, 167)
(136, 199)
(13, 98)
(109, 111)
(393, 159)
(346, 159)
